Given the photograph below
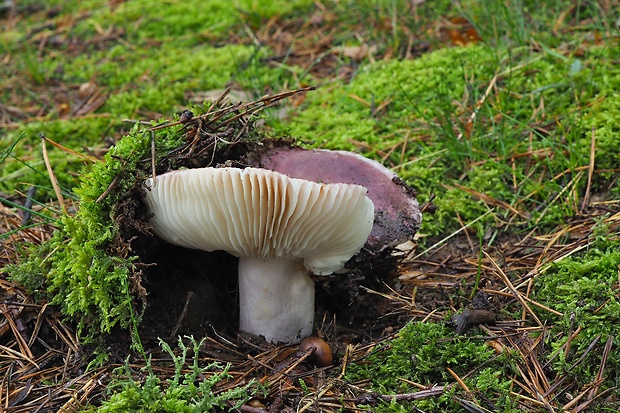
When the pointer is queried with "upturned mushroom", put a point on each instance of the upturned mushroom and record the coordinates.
(281, 229)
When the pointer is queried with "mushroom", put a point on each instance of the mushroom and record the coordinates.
(280, 228)
(397, 213)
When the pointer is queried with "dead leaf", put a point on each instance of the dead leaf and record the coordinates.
(357, 53)
(86, 90)
(461, 32)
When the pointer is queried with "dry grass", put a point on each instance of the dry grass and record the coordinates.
(41, 360)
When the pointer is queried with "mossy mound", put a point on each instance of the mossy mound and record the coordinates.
(414, 356)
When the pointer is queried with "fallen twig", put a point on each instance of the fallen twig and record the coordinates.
(50, 171)
(374, 398)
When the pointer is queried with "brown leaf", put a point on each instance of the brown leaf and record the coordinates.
(357, 53)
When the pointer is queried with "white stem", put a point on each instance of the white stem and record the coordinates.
(276, 299)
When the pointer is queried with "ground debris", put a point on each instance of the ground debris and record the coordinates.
(37, 348)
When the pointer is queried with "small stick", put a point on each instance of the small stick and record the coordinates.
(17, 355)
(502, 276)
(222, 97)
(428, 205)
(601, 369)
(47, 401)
(188, 298)
(480, 102)
(28, 204)
(37, 325)
(244, 108)
(459, 380)
(586, 196)
(539, 305)
(442, 241)
(404, 147)
(568, 406)
(141, 122)
(591, 347)
(585, 405)
(109, 188)
(571, 335)
(27, 305)
(53, 179)
(373, 398)
(71, 151)
(21, 342)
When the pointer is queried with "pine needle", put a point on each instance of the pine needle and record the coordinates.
(50, 171)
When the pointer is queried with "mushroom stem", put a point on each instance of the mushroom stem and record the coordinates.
(276, 299)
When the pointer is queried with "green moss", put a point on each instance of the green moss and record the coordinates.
(190, 19)
(89, 282)
(197, 70)
(584, 289)
(24, 165)
(431, 103)
(150, 60)
(415, 87)
(421, 353)
(30, 271)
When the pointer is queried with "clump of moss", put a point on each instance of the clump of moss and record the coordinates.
(584, 288)
(421, 353)
(90, 281)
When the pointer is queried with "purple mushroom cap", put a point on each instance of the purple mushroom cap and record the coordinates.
(397, 213)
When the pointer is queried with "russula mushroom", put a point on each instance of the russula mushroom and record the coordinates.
(397, 213)
(280, 228)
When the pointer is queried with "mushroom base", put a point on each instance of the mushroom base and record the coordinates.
(276, 299)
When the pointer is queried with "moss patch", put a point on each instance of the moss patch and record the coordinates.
(584, 288)
(158, 87)
(429, 104)
(145, 60)
(422, 353)
(89, 280)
